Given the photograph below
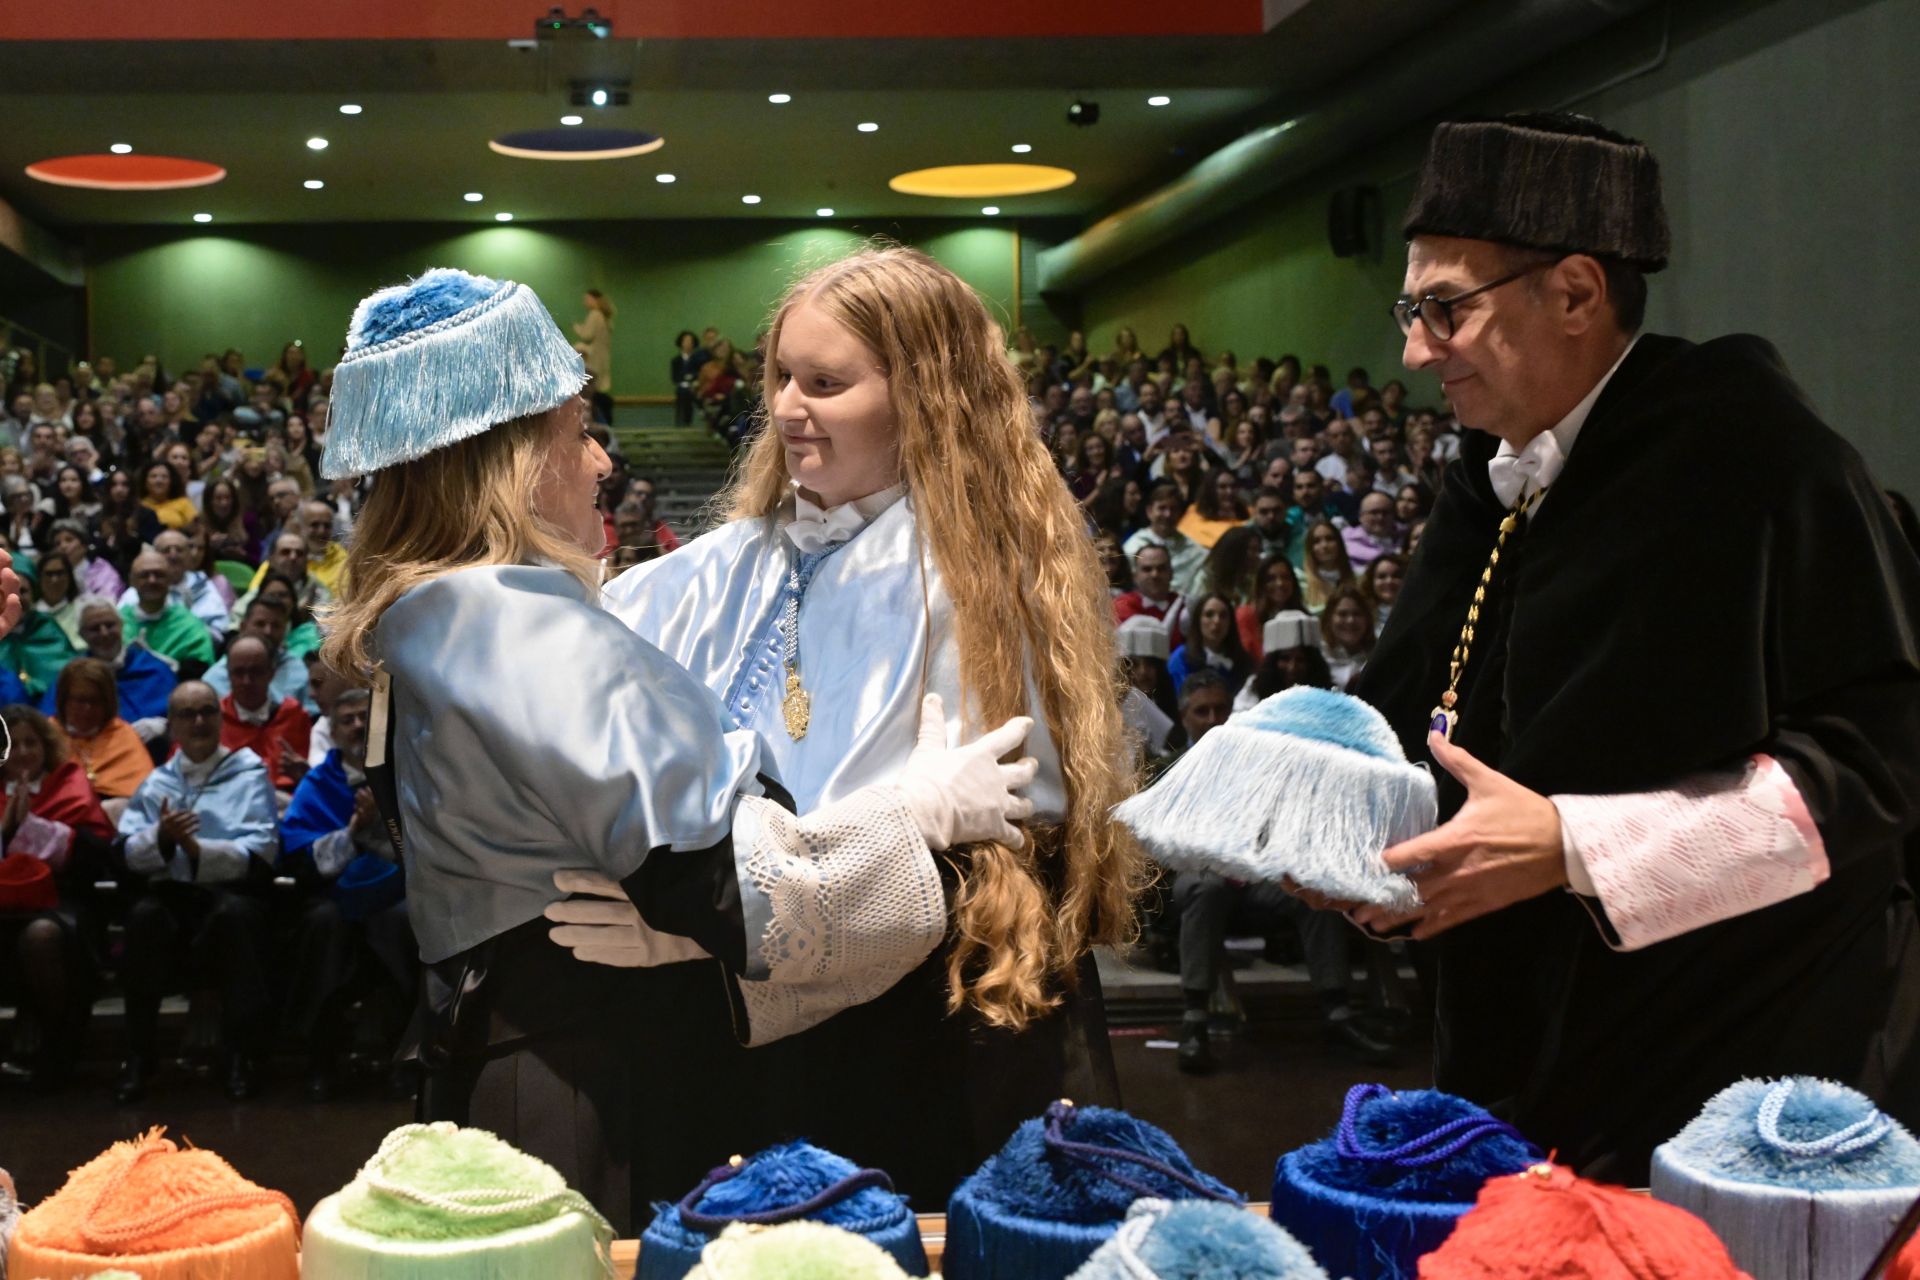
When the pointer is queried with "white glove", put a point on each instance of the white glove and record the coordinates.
(149, 728)
(610, 931)
(964, 794)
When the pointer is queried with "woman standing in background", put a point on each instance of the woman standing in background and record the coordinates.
(596, 349)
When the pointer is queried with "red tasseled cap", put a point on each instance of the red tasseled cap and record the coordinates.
(1549, 1222)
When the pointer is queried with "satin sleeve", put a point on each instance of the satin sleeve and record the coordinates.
(538, 733)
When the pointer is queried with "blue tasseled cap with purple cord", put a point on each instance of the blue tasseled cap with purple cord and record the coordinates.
(1393, 1178)
(785, 1183)
(439, 359)
(1059, 1188)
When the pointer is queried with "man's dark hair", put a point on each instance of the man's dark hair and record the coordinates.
(1268, 491)
(1200, 681)
(1165, 490)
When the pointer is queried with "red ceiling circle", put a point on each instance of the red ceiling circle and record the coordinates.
(126, 173)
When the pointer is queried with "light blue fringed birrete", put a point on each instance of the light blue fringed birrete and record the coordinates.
(440, 359)
(1310, 785)
(1803, 1179)
(1198, 1240)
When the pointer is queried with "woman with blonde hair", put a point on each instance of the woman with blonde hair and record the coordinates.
(530, 736)
(1328, 568)
(898, 528)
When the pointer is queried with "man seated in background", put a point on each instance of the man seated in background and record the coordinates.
(641, 490)
(286, 554)
(252, 720)
(265, 619)
(142, 679)
(335, 845)
(201, 831)
(283, 493)
(161, 623)
(1376, 535)
(1269, 520)
(1153, 594)
(325, 558)
(1164, 508)
(186, 585)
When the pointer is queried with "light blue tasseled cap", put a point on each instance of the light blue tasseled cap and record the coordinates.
(1321, 715)
(437, 360)
(1802, 1178)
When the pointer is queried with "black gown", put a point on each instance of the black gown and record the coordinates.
(1713, 575)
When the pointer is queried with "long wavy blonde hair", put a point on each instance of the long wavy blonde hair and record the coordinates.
(1028, 593)
(470, 503)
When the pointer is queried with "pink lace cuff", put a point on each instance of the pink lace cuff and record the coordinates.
(1663, 863)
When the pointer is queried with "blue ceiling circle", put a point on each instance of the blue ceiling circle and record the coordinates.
(576, 144)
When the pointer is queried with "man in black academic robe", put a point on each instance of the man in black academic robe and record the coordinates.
(1711, 579)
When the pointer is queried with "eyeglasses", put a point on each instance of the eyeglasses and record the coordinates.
(1437, 313)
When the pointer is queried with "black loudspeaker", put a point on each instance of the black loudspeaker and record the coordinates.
(1353, 221)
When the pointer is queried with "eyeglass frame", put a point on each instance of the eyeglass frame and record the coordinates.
(1412, 307)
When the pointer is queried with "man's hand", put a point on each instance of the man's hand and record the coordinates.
(179, 830)
(292, 763)
(1502, 847)
(366, 811)
(9, 595)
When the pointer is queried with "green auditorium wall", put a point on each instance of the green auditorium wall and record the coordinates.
(1786, 133)
(181, 295)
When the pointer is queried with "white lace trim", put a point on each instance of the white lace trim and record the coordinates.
(1716, 846)
(856, 906)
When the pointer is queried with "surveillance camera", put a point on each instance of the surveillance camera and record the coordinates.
(1081, 112)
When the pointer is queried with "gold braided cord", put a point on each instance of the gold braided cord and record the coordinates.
(1463, 648)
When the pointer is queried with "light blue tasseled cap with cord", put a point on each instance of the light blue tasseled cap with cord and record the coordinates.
(437, 360)
(1309, 785)
(1803, 1179)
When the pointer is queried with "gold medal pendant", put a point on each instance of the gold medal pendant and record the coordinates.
(797, 706)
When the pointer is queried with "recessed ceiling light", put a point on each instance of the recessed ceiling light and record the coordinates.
(990, 210)
(349, 108)
(313, 184)
(121, 148)
(503, 217)
(598, 98)
(1158, 100)
(316, 144)
(1021, 148)
(203, 217)
(867, 126)
(663, 177)
(749, 199)
(824, 213)
(570, 121)
(779, 99)
(473, 197)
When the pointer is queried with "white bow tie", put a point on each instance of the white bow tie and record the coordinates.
(1534, 467)
(812, 529)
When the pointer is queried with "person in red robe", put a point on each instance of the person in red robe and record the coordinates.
(50, 813)
(277, 732)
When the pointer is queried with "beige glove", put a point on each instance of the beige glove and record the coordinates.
(961, 795)
(609, 929)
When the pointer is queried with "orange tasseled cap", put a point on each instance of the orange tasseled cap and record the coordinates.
(167, 1213)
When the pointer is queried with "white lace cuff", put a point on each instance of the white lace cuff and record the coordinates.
(847, 901)
(45, 839)
(1718, 845)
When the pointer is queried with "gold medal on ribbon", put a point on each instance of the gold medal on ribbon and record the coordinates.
(797, 706)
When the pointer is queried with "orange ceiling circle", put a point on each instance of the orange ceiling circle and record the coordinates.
(126, 173)
(971, 181)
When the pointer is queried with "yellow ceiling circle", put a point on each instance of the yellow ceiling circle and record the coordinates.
(971, 181)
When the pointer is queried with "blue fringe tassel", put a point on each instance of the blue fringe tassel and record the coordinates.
(400, 399)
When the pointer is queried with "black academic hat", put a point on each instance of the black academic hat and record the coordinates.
(1543, 180)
